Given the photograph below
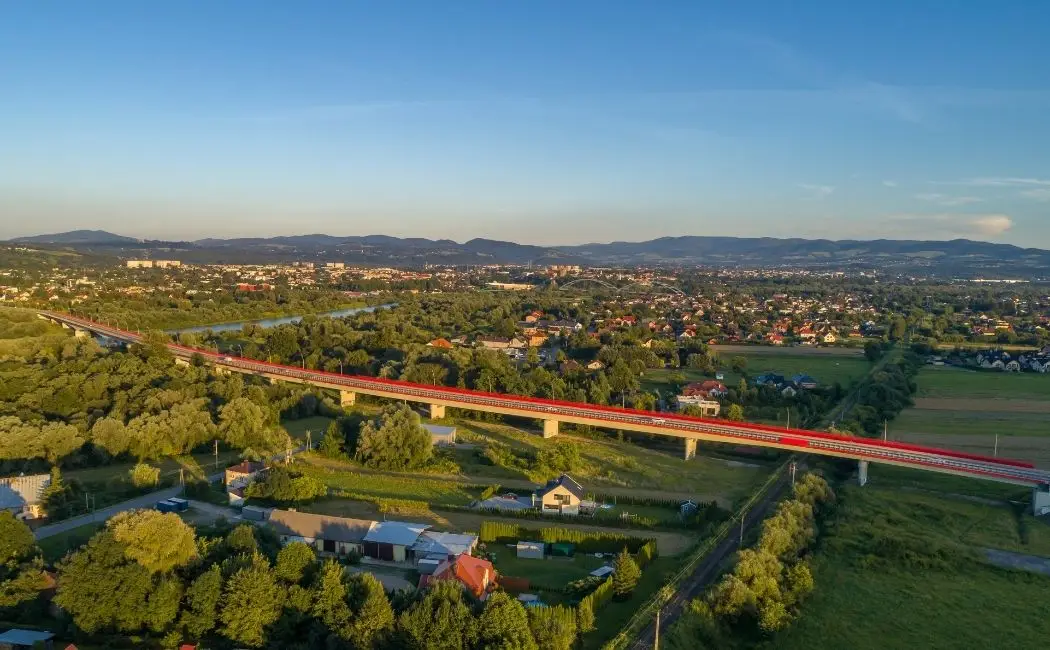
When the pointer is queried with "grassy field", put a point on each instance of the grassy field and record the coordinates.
(193, 466)
(608, 464)
(552, 572)
(316, 425)
(958, 383)
(872, 594)
(826, 369)
(56, 546)
(342, 476)
(791, 351)
(611, 618)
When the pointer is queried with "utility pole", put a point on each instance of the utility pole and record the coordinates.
(885, 430)
(743, 516)
(995, 449)
(216, 453)
(656, 635)
(793, 468)
(309, 443)
(182, 476)
(788, 409)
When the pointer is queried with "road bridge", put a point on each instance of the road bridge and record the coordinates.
(552, 413)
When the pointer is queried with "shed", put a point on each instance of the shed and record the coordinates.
(16, 639)
(530, 550)
(563, 549)
(446, 545)
(441, 436)
(390, 540)
(338, 535)
(601, 572)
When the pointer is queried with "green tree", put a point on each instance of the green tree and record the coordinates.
(333, 442)
(245, 425)
(504, 625)
(373, 615)
(158, 541)
(395, 440)
(202, 603)
(162, 607)
(442, 620)
(144, 475)
(331, 606)
(21, 570)
(738, 365)
(110, 434)
(242, 539)
(100, 587)
(553, 628)
(735, 413)
(293, 560)
(251, 603)
(872, 351)
(625, 575)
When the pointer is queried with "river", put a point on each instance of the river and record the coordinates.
(272, 322)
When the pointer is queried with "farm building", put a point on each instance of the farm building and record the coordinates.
(441, 436)
(530, 550)
(239, 477)
(335, 535)
(391, 540)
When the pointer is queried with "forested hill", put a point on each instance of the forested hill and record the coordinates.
(958, 257)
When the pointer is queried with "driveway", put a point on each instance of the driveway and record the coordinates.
(390, 581)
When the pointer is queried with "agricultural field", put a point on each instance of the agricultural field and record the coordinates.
(966, 410)
(909, 567)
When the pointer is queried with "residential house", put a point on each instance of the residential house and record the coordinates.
(19, 639)
(708, 388)
(239, 477)
(477, 576)
(770, 379)
(500, 343)
(1012, 366)
(23, 495)
(804, 381)
(775, 339)
(441, 436)
(391, 540)
(830, 338)
(537, 340)
(569, 366)
(595, 365)
(560, 496)
(439, 343)
(708, 408)
(533, 317)
(333, 535)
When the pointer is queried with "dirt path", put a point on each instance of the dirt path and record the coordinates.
(788, 351)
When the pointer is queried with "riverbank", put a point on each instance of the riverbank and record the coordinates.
(274, 320)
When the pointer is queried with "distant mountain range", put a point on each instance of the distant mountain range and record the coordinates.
(959, 257)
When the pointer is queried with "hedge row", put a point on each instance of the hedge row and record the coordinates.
(646, 554)
(502, 532)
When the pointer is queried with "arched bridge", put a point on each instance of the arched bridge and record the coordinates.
(552, 412)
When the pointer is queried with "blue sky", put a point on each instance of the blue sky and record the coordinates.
(540, 122)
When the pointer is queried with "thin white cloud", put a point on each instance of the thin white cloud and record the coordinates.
(817, 191)
(946, 200)
(1037, 194)
(1006, 182)
(948, 225)
(890, 183)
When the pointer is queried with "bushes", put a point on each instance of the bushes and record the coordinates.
(285, 486)
(143, 475)
(489, 492)
(586, 541)
(769, 582)
(646, 554)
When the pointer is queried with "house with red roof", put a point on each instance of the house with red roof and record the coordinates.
(477, 576)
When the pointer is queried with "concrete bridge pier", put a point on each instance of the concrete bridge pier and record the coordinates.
(437, 411)
(81, 333)
(347, 398)
(1041, 500)
(550, 428)
(690, 448)
(862, 472)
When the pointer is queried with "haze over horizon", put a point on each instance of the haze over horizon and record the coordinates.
(542, 124)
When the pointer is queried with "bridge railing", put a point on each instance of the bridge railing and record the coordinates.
(646, 614)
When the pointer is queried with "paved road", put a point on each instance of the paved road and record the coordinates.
(102, 514)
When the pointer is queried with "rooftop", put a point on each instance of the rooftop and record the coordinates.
(304, 524)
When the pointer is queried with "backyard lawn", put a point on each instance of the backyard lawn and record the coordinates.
(948, 382)
(826, 369)
(56, 546)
